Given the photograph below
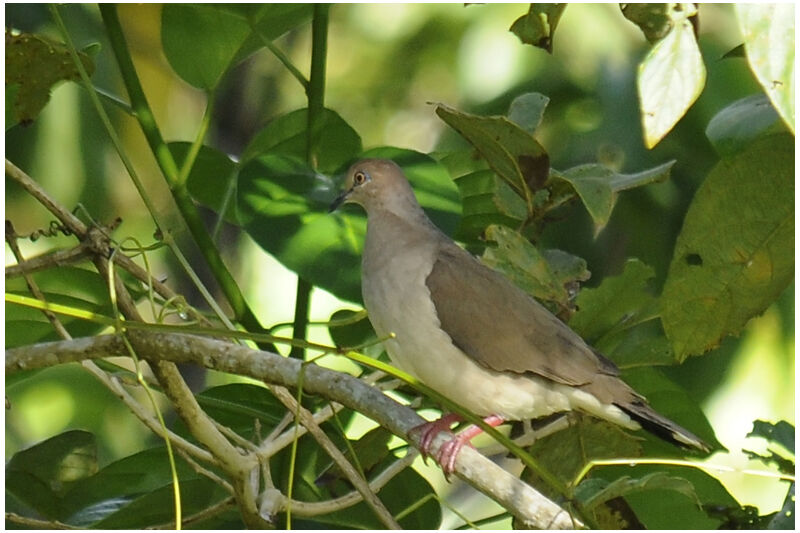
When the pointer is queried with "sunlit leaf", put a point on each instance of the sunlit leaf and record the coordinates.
(670, 79)
(768, 31)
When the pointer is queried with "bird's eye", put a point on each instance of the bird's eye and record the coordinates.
(359, 178)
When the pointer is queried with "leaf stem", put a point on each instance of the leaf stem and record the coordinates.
(315, 91)
(176, 178)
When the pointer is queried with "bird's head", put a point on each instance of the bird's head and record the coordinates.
(375, 183)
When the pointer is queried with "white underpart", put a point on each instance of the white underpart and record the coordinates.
(421, 348)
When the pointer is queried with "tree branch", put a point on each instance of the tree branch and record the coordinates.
(527, 504)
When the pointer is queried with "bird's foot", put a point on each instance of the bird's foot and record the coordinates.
(446, 456)
(429, 430)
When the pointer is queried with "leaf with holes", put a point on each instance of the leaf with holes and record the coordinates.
(735, 252)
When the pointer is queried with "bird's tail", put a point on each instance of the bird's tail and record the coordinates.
(662, 426)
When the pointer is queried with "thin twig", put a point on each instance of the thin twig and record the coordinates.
(38, 524)
(338, 457)
(208, 512)
(11, 239)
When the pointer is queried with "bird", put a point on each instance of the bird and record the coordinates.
(469, 333)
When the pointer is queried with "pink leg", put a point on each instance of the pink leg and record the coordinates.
(449, 450)
(429, 430)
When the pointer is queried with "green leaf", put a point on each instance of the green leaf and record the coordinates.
(338, 142)
(668, 509)
(202, 41)
(735, 252)
(768, 31)
(593, 492)
(158, 507)
(527, 110)
(369, 450)
(408, 496)
(486, 199)
(736, 51)
(653, 19)
(538, 25)
(529, 269)
(350, 328)
(670, 79)
(781, 433)
(672, 401)
(617, 304)
(67, 285)
(566, 452)
(735, 127)
(94, 498)
(12, 91)
(785, 518)
(38, 476)
(34, 64)
(597, 186)
(211, 179)
(283, 205)
(510, 151)
(240, 406)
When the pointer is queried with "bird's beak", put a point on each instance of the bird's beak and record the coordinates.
(339, 200)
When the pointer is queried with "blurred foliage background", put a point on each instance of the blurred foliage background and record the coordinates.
(386, 65)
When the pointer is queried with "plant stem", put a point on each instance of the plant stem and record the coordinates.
(315, 91)
(173, 176)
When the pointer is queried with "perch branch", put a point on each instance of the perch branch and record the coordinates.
(530, 506)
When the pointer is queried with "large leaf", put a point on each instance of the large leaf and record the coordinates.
(240, 406)
(597, 186)
(668, 509)
(202, 41)
(672, 401)
(38, 476)
(768, 31)
(94, 498)
(739, 124)
(735, 252)
(511, 151)
(34, 64)
(283, 205)
(338, 142)
(670, 78)
(158, 507)
(211, 179)
(593, 492)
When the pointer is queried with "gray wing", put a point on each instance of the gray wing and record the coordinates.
(504, 329)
